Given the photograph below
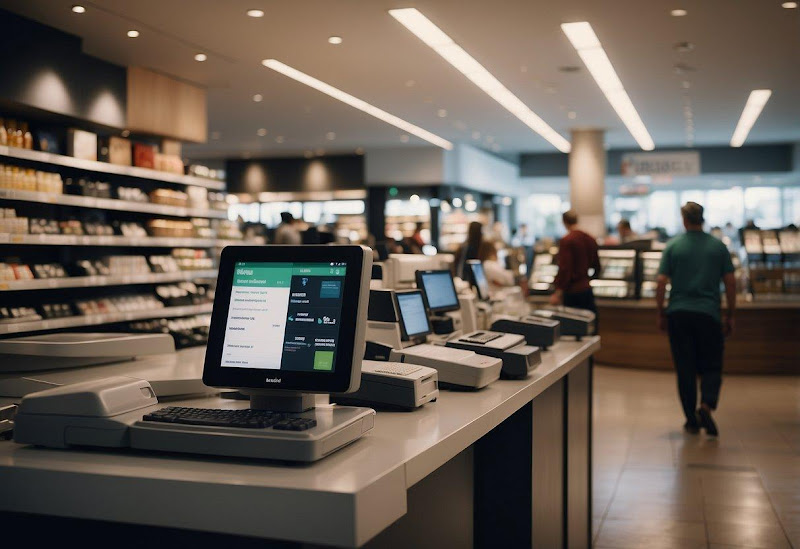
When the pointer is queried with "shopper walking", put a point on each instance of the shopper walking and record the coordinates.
(694, 263)
(577, 253)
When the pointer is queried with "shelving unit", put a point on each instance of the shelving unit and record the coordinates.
(124, 241)
(100, 281)
(109, 204)
(106, 168)
(100, 319)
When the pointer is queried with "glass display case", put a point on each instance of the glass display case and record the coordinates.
(649, 262)
(617, 276)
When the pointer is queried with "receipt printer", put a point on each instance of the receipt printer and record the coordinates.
(538, 331)
(393, 386)
(518, 359)
(574, 322)
(458, 368)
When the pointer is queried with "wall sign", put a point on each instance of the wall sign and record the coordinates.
(661, 164)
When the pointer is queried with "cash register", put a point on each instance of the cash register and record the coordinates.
(519, 359)
(288, 322)
(538, 331)
(441, 300)
(397, 331)
(574, 322)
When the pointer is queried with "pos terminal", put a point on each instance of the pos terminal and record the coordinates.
(288, 321)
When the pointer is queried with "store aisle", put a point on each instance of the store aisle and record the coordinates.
(657, 488)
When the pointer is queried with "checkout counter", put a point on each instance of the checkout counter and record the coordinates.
(508, 465)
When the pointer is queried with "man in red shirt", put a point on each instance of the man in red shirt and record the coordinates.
(577, 253)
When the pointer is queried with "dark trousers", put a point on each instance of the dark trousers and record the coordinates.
(581, 300)
(697, 345)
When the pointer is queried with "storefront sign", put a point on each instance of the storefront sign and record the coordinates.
(661, 164)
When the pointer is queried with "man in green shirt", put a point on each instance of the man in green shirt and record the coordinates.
(694, 263)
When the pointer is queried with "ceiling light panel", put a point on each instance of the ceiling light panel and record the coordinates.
(356, 103)
(424, 29)
(752, 110)
(585, 41)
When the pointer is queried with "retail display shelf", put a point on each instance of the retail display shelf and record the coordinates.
(105, 318)
(109, 204)
(113, 280)
(87, 240)
(104, 167)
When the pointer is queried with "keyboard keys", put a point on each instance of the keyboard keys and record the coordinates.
(247, 419)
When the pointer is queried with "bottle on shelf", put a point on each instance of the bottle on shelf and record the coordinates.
(3, 133)
(27, 137)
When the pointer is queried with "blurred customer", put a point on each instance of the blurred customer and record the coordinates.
(524, 239)
(287, 232)
(497, 275)
(577, 253)
(417, 236)
(625, 232)
(469, 249)
(694, 263)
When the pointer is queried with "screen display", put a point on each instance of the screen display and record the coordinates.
(479, 278)
(412, 311)
(284, 316)
(439, 291)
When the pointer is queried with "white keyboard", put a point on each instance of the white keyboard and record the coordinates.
(394, 368)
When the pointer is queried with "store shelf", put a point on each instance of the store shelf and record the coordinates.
(114, 280)
(152, 242)
(106, 168)
(106, 318)
(109, 204)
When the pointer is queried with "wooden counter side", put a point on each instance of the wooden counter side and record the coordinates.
(766, 339)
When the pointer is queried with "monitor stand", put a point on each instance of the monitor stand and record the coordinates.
(280, 401)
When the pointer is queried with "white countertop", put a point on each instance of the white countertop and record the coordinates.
(344, 499)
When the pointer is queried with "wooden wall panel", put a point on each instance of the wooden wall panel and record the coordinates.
(162, 105)
(766, 340)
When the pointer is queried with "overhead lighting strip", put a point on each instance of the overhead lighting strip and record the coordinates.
(585, 41)
(752, 110)
(424, 29)
(356, 103)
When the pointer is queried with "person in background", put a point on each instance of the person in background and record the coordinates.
(694, 263)
(496, 274)
(287, 232)
(625, 232)
(469, 249)
(524, 239)
(577, 253)
(417, 237)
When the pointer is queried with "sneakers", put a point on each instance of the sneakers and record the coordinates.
(707, 422)
(692, 426)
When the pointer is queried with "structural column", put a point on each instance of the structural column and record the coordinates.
(587, 171)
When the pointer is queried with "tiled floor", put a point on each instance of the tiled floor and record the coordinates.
(657, 488)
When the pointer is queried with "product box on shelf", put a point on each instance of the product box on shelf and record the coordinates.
(144, 156)
(82, 144)
(116, 150)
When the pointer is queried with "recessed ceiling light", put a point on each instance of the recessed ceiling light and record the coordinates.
(752, 109)
(133, 34)
(789, 5)
(356, 103)
(330, 136)
(258, 98)
(441, 113)
(585, 41)
(255, 13)
(678, 13)
(279, 139)
(335, 40)
(404, 138)
(262, 132)
(78, 9)
(200, 57)
(424, 29)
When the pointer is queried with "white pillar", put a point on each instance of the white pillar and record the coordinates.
(587, 172)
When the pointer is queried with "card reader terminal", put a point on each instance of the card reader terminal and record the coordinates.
(574, 322)
(458, 368)
(393, 386)
(518, 358)
(538, 331)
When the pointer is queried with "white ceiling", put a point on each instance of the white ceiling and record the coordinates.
(739, 45)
